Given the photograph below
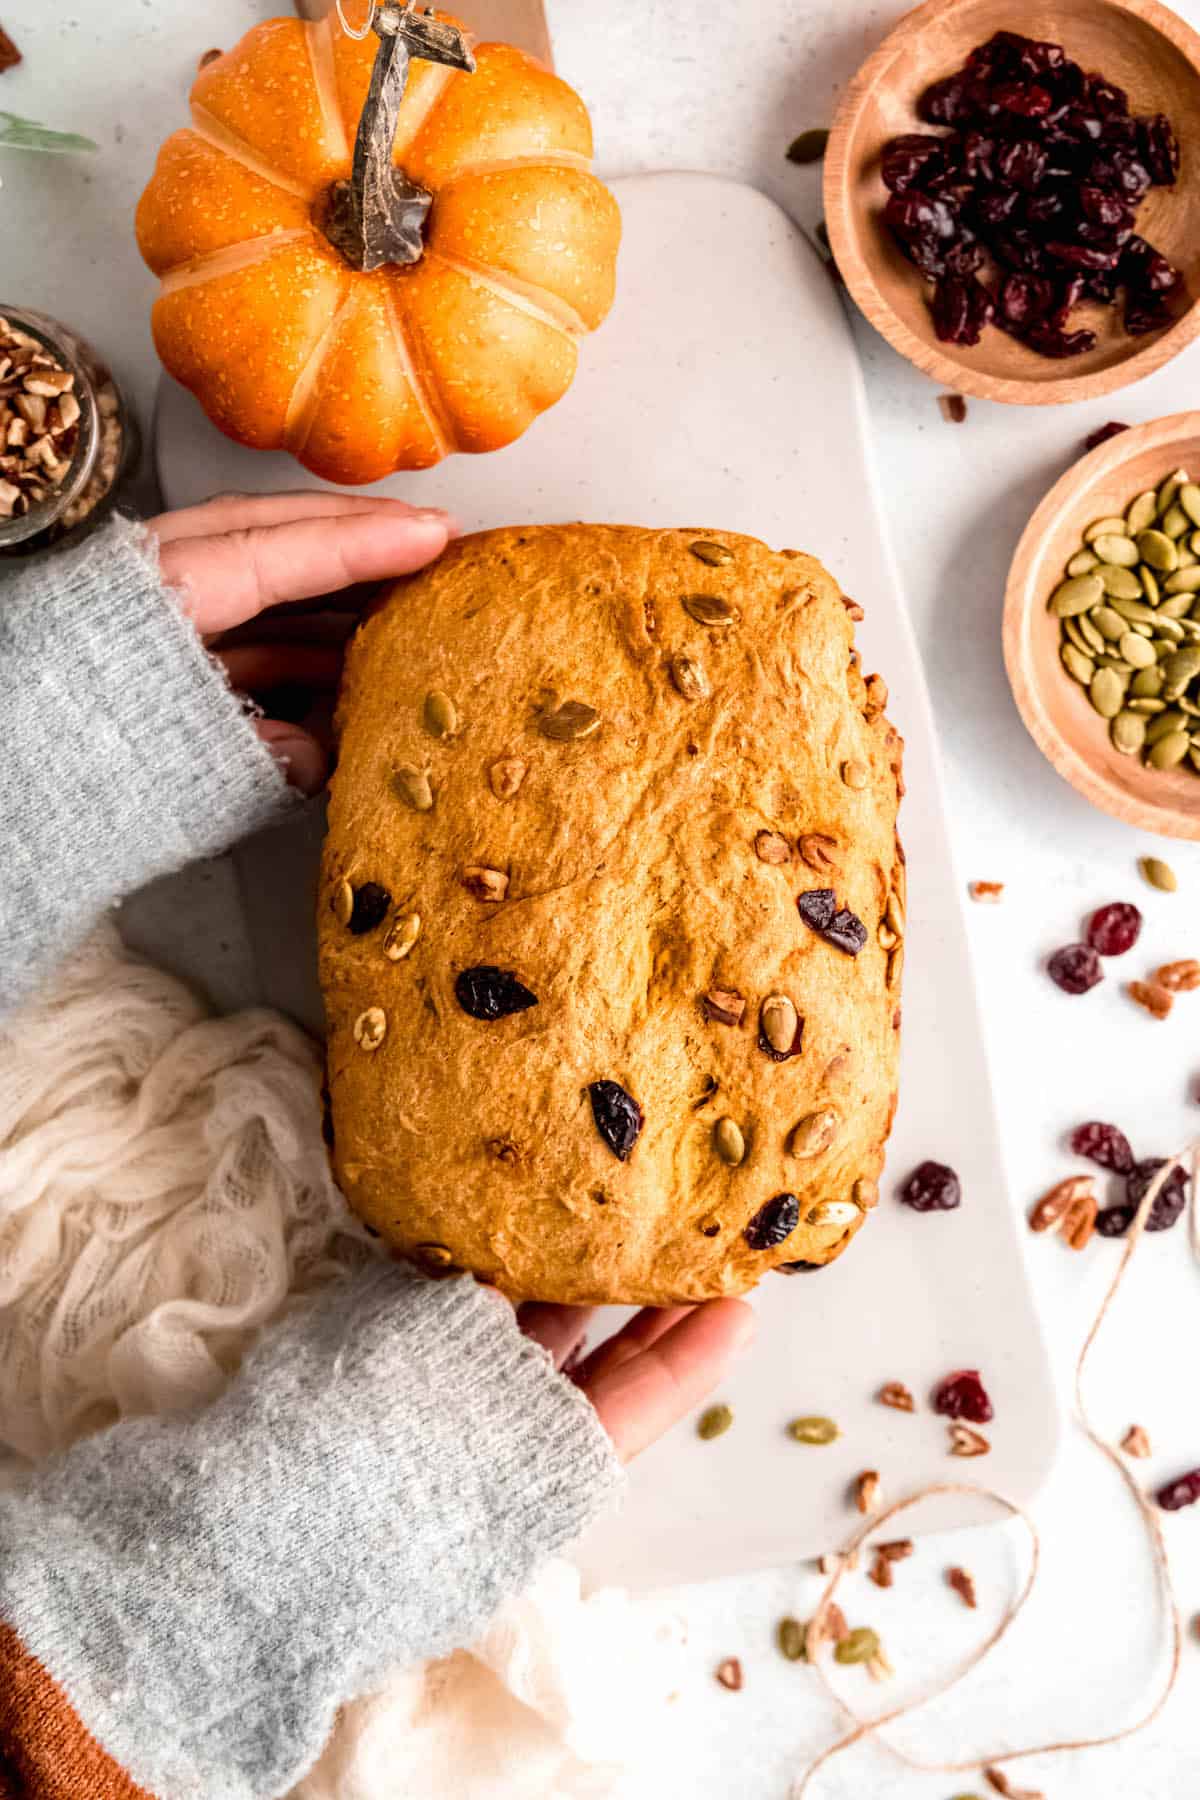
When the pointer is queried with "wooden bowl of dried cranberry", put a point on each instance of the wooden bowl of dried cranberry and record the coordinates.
(1056, 710)
(1012, 194)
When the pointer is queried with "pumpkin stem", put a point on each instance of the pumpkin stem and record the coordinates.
(378, 216)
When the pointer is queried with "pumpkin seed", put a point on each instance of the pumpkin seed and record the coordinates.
(886, 937)
(865, 1193)
(1106, 691)
(1114, 662)
(1189, 707)
(1158, 873)
(1171, 630)
(812, 1429)
(1187, 556)
(710, 552)
(370, 1028)
(1149, 581)
(709, 609)
(832, 1212)
(859, 1646)
(1157, 549)
(439, 715)
(1168, 751)
(1122, 582)
(809, 147)
(1112, 526)
(1169, 489)
(1142, 513)
(1134, 610)
(412, 786)
(569, 722)
(1076, 595)
(791, 1636)
(855, 774)
(894, 913)
(777, 1021)
(1194, 759)
(1094, 640)
(1083, 562)
(1108, 622)
(1073, 635)
(895, 966)
(1147, 684)
(1148, 705)
(1143, 631)
(1115, 547)
(343, 902)
(1184, 581)
(1128, 733)
(689, 678)
(1137, 651)
(1194, 542)
(402, 935)
(1166, 722)
(714, 1422)
(814, 1133)
(1179, 668)
(1175, 522)
(1188, 498)
(728, 1141)
(1176, 606)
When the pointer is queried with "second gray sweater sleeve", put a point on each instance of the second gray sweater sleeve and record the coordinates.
(391, 1464)
(123, 752)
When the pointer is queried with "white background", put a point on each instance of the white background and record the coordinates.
(677, 83)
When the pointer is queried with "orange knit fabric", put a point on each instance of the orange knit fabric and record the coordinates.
(45, 1752)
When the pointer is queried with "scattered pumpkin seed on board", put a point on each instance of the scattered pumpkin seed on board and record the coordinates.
(1128, 607)
(813, 1430)
(1158, 873)
(714, 1422)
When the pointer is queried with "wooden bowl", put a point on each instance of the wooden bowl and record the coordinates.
(1140, 45)
(1055, 709)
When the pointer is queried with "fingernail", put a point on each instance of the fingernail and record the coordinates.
(436, 515)
(299, 756)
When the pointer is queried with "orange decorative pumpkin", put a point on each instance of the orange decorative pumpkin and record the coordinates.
(289, 345)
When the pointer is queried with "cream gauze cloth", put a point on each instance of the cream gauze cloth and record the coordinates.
(164, 1195)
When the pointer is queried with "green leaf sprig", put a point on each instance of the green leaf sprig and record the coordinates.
(17, 133)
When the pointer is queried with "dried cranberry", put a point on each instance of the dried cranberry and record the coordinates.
(800, 1267)
(1106, 99)
(1114, 1221)
(370, 908)
(1101, 435)
(1075, 968)
(838, 926)
(1124, 173)
(1031, 102)
(945, 102)
(486, 992)
(1103, 1144)
(963, 1396)
(1172, 1196)
(912, 161)
(1021, 163)
(995, 207)
(932, 1187)
(1146, 312)
(1160, 151)
(1024, 299)
(1114, 929)
(1184, 1491)
(962, 307)
(619, 1118)
(773, 1222)
(1105, 208)
(1048, 340)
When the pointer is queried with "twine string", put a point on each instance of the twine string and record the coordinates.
(358, 36)
(870, 1728)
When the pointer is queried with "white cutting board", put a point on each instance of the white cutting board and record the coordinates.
(724, 392)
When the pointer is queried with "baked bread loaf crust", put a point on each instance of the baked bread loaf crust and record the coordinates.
(611, 915)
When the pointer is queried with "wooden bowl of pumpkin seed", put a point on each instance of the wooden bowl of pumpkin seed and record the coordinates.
(1102, 626)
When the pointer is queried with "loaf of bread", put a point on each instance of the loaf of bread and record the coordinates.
(612, 915)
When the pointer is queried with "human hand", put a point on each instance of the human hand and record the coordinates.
(654, 1370)
(236, 557)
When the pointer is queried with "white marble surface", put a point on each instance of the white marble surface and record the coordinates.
(677, 83)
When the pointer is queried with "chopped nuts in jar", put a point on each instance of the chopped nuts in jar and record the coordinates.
(39, 421)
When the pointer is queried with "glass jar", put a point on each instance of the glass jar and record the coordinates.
(106, 444)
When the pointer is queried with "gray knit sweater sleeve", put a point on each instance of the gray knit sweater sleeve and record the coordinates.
(390, 1465)
(123, 753)
(185, 1602)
